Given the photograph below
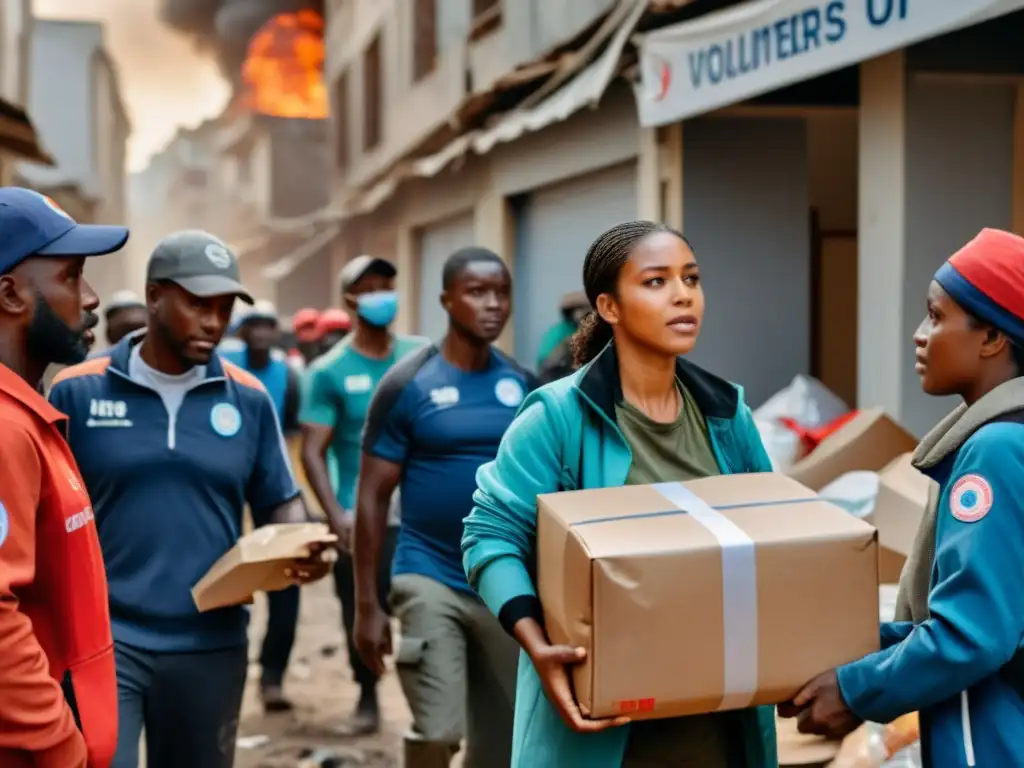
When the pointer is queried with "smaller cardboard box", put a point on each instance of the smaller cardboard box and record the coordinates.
(801, 750)
(900, 505)
(869, 441)
(704, 596)
(257, 563)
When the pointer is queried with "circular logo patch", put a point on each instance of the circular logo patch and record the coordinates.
(218, 256)
(225, 419)
(52, 205)
(509, 392)
(971, 498)
(5, 524)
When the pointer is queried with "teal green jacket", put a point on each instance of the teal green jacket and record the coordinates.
(565, 437)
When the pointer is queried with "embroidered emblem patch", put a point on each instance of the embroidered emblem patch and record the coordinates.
(509, 392)
(225, 419)
(52, 205)
(218, 256)
(971, 498)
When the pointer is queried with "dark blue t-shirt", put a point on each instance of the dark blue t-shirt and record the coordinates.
(441, 424)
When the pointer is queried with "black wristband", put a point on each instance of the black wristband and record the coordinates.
(522, 607)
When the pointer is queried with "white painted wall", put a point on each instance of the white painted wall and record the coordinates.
(15, 27)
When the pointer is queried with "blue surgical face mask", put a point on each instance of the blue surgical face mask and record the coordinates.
(378, 308)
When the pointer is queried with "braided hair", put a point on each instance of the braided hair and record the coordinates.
(601, 268)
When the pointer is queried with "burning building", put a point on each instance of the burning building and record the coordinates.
(269, 159)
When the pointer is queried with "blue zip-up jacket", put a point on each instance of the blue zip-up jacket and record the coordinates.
(168, 494)
(565, 437)
(949, 662)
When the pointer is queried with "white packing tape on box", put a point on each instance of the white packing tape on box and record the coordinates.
(739, 594)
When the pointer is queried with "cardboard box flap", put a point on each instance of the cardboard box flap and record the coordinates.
(902, 499)
(869, 441)
(257, 563)
(796, 749)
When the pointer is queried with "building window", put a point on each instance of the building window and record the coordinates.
(424, 38)
(341, 130)
(486, 18)
(372, 101)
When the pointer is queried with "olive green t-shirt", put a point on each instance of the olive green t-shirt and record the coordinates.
(662, 453)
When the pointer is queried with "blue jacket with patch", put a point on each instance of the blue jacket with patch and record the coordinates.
(953, 660)
(168, 494)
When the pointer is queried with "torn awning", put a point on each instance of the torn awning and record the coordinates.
(18, 136)
(286, 264)
(582, 91)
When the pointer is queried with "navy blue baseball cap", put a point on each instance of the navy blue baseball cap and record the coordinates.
(32, 224)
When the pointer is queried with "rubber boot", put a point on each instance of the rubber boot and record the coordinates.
(419, 753)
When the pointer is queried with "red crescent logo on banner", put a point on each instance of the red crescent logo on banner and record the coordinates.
(664, 78)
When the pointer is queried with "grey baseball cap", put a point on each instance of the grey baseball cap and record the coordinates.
(364, 265)
(199, 262)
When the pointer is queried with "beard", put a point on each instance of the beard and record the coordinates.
(51, 340)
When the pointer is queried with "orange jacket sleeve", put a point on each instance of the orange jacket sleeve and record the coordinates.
(34, 716)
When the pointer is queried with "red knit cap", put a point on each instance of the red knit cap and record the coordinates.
(986, 277)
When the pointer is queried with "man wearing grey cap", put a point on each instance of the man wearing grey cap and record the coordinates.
(337, 392)
(172, 444)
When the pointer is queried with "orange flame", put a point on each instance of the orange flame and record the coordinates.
(283, 71)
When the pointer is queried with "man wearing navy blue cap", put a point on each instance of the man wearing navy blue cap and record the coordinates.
(58, 693)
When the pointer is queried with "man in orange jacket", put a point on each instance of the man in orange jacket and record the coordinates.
(58, 692)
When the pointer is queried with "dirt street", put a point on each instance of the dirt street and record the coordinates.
(319, 683)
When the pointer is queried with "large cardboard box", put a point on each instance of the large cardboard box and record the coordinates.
(694, 597)
(868, 441)
(899, 507)
(257, 563)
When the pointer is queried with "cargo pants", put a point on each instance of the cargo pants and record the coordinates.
(457, 668)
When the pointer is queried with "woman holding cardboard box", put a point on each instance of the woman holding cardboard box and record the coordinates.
(635, 413)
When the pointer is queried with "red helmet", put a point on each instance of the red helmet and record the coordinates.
(333, 320)
(304, 324)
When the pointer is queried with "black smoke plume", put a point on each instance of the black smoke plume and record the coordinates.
(226, 26)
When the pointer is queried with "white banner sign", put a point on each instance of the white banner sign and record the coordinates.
(732, 55)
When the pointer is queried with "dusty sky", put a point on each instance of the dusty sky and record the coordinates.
(165, 82)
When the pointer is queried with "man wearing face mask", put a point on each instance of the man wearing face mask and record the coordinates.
(338, 389)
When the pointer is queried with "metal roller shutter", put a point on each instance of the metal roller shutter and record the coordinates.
(436, 243)
(555, 226)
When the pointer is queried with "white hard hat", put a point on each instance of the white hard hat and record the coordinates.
(123, 300)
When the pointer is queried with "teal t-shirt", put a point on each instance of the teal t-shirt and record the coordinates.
(337, 388)
(552, 337)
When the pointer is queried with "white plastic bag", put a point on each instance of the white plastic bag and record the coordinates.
(855, 492)
(806, 401)
(780, 443)
(869, 751)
